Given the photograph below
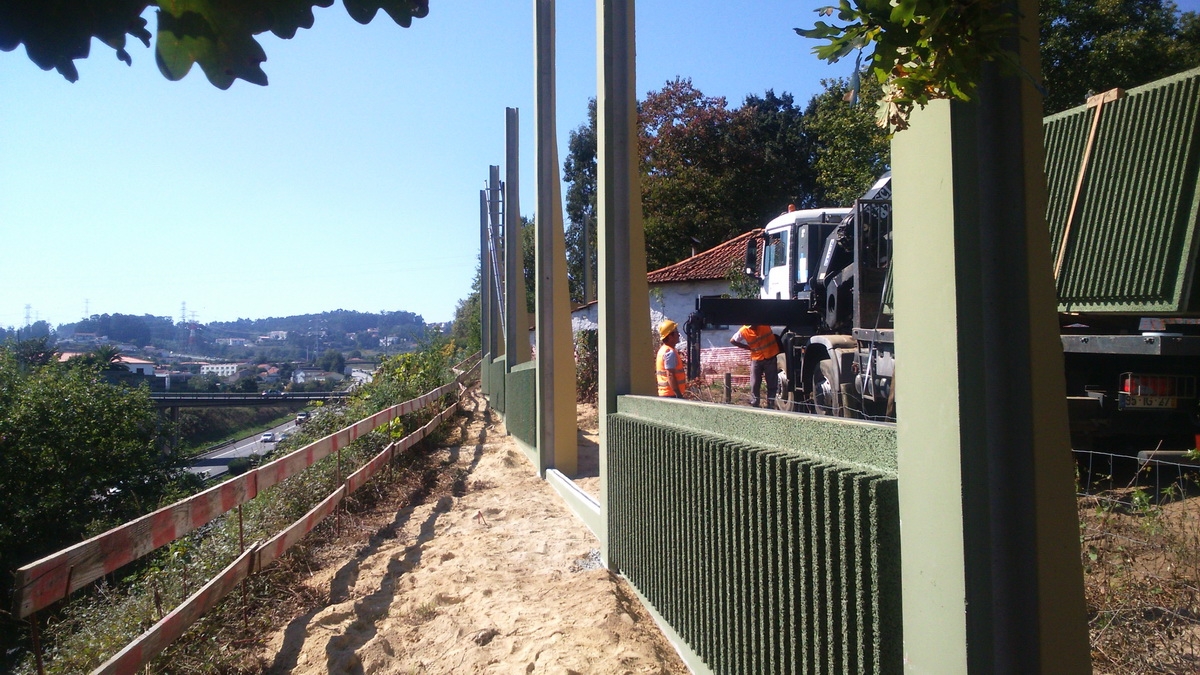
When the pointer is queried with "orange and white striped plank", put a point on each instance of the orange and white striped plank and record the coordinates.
(46, 581)
(276, 546)
(138, 653)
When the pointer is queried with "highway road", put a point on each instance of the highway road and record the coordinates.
(216, 462)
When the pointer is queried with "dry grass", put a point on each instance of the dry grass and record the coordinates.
(1141, 560)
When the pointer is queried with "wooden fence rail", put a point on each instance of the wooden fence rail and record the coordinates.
(53, 578)
(137, 654)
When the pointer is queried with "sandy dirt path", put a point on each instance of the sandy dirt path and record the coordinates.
(496, 577)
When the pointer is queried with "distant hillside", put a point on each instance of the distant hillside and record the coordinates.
(339, 329)
(402, 324)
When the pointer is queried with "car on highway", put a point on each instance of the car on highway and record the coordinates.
(272, 392)
(301, 417)
(267, 438)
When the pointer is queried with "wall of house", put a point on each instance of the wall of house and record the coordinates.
(675, 301)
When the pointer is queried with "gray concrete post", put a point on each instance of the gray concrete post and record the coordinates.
(557, 440)
(485, 292)
(588, 296)
(497, 261)
(516, 324)
(989, 531)
(626, 359)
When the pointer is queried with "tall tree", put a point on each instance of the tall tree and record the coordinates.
(1090, 47)
(467, 328)
(686, 172)
(847, 150)
(579, 172)
(529, 262)
(776, 172)
(709, 173)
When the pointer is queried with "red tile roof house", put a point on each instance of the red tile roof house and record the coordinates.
(673, 293)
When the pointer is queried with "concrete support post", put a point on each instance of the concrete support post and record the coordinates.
(588, 296)
(485, 292)
(556, 423)
(497, 261)
(516, 324)
(989, 533)
(626, 359)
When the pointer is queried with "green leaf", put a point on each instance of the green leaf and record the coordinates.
(904, 11)
(193, 31)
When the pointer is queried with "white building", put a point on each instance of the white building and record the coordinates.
(220, 369)
(137, 366)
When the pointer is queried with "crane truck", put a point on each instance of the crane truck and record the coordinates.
(1123, 174)
(825, 277)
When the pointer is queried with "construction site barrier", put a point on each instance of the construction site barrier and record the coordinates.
(56, 576)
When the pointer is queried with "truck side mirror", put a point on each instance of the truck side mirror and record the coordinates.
(752, 257)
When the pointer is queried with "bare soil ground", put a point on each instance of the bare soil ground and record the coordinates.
(489, 573)
(1142, 582)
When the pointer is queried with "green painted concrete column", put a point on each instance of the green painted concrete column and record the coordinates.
(626, 360)
(989, 532)
(516, 322)
(556, 424)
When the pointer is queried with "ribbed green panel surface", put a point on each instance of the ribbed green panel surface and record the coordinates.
(497, 382)
(763, 560)
(1132, 245)
(520, 403)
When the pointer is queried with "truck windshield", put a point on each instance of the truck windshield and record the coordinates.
(802, 258)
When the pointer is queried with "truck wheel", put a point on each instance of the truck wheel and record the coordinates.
(825, 389)
(786, 398)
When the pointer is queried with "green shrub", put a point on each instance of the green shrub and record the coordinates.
(587, 366)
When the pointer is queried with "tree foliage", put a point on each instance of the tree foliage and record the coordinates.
(77, 455)
(1089, 47)
(332, 361)
(687, 163)
(848, 151)
(921, 50)
(529, 262)
(467, 329)
(710, 173)
(219, 36)
(579, 172)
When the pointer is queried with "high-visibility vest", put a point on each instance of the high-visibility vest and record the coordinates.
(665, 376)
(761, 340)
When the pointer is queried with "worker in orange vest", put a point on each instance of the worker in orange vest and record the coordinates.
(668, 367)
(764, 347)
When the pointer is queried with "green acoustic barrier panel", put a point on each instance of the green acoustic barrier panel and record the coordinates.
(520, 403)
(1132, 243)
(763, 559)
(497, 382)
(867, 444)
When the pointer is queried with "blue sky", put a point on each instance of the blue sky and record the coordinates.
(351, 181)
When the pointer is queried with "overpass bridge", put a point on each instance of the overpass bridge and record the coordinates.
(210, 400)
